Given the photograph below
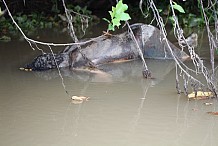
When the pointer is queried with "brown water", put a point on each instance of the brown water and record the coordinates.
(124, 109)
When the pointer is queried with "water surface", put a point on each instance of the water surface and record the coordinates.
(124, 108)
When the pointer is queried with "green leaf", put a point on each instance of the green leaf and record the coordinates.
(113, 9)
(110, 27)
(178, 7)
(124, 17)
(160, 10)
(120, 7)
(117, 14)
(116, 22)
(113, 12)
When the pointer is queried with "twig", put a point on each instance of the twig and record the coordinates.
(74, 37)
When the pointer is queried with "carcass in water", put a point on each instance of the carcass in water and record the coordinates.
(108, 49)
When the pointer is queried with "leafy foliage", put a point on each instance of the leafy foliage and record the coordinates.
(117, 14)
(31, 22)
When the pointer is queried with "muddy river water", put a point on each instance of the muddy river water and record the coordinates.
(124, 109)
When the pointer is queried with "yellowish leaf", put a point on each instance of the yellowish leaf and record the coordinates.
(200, 95)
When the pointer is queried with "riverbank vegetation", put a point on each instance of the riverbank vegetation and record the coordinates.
(33, 20)
(34, 15)
(191, 17)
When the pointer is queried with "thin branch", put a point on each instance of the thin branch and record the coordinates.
(45, 43)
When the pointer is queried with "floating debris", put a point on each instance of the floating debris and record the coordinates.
(208, 103)
(213, 113)
(200, 95)
(79, 99)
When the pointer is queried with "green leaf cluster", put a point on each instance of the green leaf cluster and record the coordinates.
(29, 23)
(117, 14)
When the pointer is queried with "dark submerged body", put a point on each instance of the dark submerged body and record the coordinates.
(107, 49)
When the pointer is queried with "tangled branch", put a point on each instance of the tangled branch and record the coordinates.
(198, 63)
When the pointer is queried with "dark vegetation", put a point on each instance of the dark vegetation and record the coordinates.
(33, 15)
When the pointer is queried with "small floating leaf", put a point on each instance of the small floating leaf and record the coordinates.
(208, 103)
(79, 98)
(213, 113)
(200, 95)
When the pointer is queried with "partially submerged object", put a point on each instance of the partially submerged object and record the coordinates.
(109, 49)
